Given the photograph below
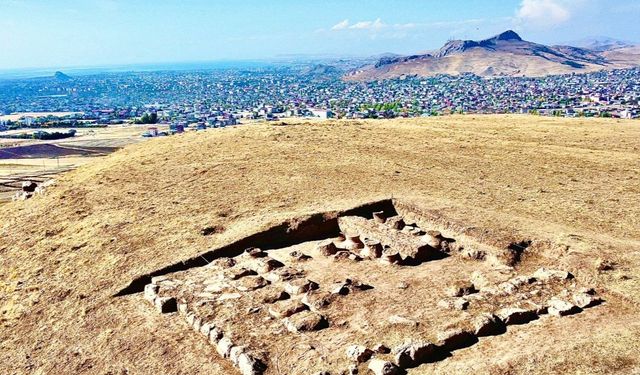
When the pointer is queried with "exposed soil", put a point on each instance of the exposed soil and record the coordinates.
(569, 186)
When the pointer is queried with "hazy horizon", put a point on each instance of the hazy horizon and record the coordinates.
(76, 34)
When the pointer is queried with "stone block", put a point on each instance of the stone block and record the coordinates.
(382, 367)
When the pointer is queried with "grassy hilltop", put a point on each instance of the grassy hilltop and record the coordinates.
(573, 183)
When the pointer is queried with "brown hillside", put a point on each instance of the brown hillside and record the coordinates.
(572, 185)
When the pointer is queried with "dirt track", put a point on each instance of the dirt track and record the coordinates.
(573, 183)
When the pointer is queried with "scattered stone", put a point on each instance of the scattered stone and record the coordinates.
(534, 307)
(224, 347)
(512, 316)
(558, 307)
(183, 307)
(29, 186)
(455, 338)
(474, 254)
(359, 353)
(520, 281)
(215, 334)
(299, 256)
(265, 264)
(223, 263)
(189, 318)
(355, 257)
(372, 249)
(479, 280)
(507, 288)
(402, 285)
(166, 305)
(586, 298)
(205, 329)
(381, 349)
(379, 217)
(433, 238)
(603, 265)
(382, 367)
(352, 242)
(403, 321)
(341, 289)
(254, 252)
(250, 283)
(342, 255)
(284, 309)
(228, 296)
(197, 324)
(390, 256)
(151, 292)
(275, 296)
(461, 288)
(487, 325)
(395, 222)
(299, 286)
(318, 300)
(238, 273)
(156, 280)
(327, 248)
(305, 321)
(544, 274)
(283, 274)
(234, 354)
(454, 304)
(414, 354)
(212, 230)
(249, 365)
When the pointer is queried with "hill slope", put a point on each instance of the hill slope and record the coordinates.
(570, 182)
(506, 54)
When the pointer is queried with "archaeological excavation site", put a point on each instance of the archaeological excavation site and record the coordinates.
(381, 289)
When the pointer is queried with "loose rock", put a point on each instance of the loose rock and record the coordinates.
(284, 309)
(455, 338)
(461, 288)
(381, 367)
(359, 353)
(414, 354)
(305, 321)
(487, 325)
(512, 316)
(559, 307)
(299, 286)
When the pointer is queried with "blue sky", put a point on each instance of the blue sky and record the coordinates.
(68, 33)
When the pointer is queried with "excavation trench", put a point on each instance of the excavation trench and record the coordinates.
(294, 231)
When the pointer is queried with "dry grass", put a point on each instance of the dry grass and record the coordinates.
(62, 256)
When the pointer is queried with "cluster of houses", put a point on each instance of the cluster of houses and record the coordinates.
(211, 99)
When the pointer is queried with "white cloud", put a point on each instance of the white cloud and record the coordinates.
(341, 25)
(368, 25)
(361, 25)
(543, 13)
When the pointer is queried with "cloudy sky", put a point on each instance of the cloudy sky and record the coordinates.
(69, 33)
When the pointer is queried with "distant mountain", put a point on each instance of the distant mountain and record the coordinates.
(59, 76)
(506, 54)
(601, 43)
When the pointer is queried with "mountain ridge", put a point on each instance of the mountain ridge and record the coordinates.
(505, 54)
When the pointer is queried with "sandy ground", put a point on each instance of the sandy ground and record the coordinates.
(102, 139)
(571, 182)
